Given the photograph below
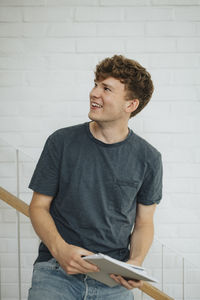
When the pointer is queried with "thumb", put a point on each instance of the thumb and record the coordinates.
(86, 252)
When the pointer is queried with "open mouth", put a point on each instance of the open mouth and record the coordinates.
(96, 105)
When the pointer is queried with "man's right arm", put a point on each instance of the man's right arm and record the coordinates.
(68, 256)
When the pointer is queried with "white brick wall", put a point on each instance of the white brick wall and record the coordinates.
(48, 51)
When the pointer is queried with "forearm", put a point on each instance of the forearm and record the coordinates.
(141, 240)
(45, 228)
(140, 243)
(68, 256)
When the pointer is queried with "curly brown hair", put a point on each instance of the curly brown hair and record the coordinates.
(137, 80)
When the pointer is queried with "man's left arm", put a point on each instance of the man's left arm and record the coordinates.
(141, 240)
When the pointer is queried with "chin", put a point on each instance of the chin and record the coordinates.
(91, 117)
(95, 117)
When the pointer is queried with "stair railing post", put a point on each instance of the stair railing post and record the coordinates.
(183, 277)
(0, 279)
(162, 268)
(142, 296)
(18, 227)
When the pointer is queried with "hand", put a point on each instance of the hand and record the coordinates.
(128, 283)
(70, 259)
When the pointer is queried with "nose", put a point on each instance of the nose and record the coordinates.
(95, 92)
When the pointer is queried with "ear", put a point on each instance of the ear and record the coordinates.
(132, 105)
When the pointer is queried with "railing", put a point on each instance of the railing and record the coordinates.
(19, 243)
(22, 207)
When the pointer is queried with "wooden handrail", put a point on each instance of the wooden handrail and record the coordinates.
(153, 292)
(22, 207)
(15, 202)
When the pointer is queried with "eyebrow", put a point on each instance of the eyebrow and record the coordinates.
(105, 84)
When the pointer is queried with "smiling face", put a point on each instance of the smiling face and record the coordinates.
(107, 101)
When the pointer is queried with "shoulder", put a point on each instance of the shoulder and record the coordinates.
(66, 133)
(63, 137)
(146, 151)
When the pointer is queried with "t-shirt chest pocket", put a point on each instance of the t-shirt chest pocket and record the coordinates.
(123, 195)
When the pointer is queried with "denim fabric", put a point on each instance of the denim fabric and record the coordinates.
(50, 282)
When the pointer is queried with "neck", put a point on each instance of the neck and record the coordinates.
(107, 133)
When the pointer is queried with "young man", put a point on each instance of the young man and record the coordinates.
(92, 184)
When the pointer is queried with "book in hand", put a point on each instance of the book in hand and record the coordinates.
(109, 265)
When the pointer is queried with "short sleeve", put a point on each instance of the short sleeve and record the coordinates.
(46, 175)
(150, 191)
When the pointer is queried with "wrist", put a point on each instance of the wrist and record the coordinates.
(58, 244)
(135, 262)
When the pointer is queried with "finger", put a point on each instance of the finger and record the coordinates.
(115, 278)
(135, 284)
(73, 271)
(82, 269)
(84, 266)
(87, 266)
(73, 268)
(125, 283)
(130, 284)
(85, 252)
(77, 270)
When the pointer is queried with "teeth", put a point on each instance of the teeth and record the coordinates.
(96, 105)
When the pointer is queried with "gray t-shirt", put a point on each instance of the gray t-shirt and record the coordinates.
(96, 187)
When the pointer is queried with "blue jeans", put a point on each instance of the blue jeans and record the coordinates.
(51, 282)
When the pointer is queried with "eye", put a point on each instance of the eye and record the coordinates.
(107, 89)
